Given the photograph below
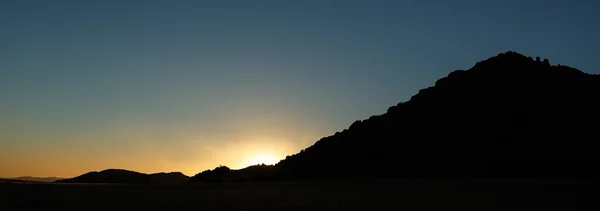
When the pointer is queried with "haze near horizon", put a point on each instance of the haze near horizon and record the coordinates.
(166, 86)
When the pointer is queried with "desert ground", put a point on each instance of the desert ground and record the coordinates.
(383, 194)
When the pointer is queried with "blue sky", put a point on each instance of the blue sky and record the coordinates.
(188, 85)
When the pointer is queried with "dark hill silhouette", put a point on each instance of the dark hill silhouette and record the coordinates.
(225, 174)
(38, 179)
(129, 177)
(507, 116)
(2, 180)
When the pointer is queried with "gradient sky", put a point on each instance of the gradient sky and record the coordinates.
(186, 86)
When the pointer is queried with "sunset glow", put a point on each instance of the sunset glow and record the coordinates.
(154, 86)
(263, 159)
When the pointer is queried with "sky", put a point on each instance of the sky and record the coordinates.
(161, 86)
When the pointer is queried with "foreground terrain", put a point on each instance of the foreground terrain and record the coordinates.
(397, 194)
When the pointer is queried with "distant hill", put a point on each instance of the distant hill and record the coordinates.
(128, 177)
(507, 116)
(2, 180)
(225, 174)
(38, 179)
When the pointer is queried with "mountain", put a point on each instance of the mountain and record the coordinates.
(2, 180)
(37, 179)
(507, 116)
(127, 177)
(225, 174)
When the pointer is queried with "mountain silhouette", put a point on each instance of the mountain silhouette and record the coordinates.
(3, 180)
(225, 174)
(127, 177)
(37, 179)
(507, 116)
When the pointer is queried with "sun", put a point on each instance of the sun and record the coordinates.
(263, 159)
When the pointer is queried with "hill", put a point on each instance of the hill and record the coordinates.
(38, 179)
(2, 180)
(127, 177)
(507, 116)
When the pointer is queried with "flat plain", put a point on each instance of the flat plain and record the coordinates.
(381, 194)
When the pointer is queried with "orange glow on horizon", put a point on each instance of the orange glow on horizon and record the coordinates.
(134, 146)
(262, 159)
